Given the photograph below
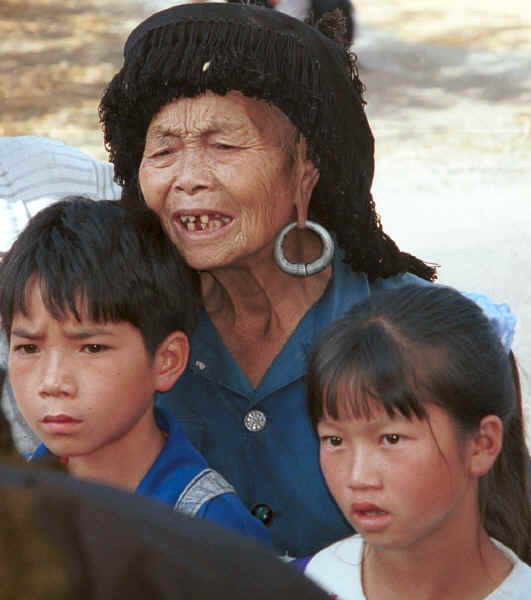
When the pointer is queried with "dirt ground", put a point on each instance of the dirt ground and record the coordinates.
(449, 100)
(489, 24)
(57, 56)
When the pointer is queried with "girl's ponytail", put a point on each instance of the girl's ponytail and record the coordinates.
(504, 493)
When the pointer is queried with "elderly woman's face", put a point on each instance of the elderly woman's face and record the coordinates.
(224, 173)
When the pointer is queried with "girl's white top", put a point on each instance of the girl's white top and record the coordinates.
(337, 569)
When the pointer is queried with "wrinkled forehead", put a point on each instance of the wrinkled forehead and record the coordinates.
(210, 113)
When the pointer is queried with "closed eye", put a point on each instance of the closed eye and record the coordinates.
(163, 152)
(224, 147)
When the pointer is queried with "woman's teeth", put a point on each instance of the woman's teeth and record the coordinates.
(204, 222)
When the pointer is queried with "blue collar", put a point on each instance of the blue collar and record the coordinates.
(210, 358)
(176, 465)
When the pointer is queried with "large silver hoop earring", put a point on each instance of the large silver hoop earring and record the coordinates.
(304, 269)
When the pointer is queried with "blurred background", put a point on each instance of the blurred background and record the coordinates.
(449, 100)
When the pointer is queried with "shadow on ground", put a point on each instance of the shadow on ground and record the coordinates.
(58, 56)
(403, 75)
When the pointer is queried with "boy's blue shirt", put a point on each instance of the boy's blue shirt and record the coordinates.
(177, 466)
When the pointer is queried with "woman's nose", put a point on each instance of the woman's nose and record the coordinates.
(57, 378)
(192, 172)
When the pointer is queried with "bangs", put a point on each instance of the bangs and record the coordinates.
(81, 302)
(77, 267)
(353, 374)
(356, 395)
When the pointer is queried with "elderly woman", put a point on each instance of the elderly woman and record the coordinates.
(245, 130)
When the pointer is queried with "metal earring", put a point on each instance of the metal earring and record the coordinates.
(304, 269)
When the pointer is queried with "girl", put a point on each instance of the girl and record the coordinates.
(417, 407)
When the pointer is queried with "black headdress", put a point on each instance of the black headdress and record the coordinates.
(265, 54)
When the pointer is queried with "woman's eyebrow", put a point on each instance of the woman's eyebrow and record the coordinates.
(216, 124)
(219, 123)
(161, 133)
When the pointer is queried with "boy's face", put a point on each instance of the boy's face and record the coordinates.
(82, 386)
(398, 482)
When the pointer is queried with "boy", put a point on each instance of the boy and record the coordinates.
(97, 305)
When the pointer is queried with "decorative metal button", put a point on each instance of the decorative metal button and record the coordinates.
(255, 420)
(263, 513)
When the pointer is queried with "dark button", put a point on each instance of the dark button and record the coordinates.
(263, 512)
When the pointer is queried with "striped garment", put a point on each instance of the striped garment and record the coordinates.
(35, 172)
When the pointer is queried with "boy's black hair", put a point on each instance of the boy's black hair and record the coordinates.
(118, 265)
(413, 345)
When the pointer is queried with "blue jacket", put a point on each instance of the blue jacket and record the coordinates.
(270, 456)
(181, 478)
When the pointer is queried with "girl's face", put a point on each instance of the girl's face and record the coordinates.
(398, 482)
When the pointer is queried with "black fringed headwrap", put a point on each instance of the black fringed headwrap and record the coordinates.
(265, 54)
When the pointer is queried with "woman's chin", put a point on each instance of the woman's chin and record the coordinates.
(205, 260)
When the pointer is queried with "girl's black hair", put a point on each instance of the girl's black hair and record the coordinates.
(117, 264)
(188, 49)
(415, 345)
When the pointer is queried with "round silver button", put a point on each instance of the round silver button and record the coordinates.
(255, 420)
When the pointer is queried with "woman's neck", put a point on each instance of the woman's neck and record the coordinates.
(258, 296)
(256, 316)
(256, 307)
(470, 567)
(256, 285)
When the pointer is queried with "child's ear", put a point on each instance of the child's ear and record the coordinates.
(485, 445)
(170, 360)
